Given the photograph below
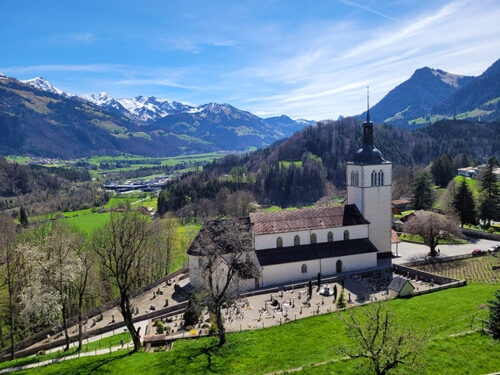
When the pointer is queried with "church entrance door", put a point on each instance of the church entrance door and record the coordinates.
(339, 266)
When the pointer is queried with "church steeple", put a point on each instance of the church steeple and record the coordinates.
(368, 125)
(368, 153)
(368, 104)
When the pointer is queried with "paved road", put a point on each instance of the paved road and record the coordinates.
(410, 251)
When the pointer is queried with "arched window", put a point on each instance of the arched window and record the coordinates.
(304, 268)
(374, 178)
(296, 240)
(314, 239)
(356, 178)
(279, 242)
(381, 178)
(200, 262)
(330, 236)
(339, 266)
(346, 235)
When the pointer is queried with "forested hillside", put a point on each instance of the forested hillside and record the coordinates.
(46, 189)
(308, 165)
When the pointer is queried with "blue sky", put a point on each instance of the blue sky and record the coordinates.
(307, 59)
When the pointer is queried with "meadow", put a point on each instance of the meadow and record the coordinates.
(313, 340)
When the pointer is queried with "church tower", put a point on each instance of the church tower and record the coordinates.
(368, 181)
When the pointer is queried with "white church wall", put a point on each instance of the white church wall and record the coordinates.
(292, 272)
(197, 277)
(349, 263)
(195, 272)
(268, 241)
(374, 202)
(288, 272)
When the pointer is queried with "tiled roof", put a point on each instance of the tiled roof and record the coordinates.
(306, 218)
(314, 251)
(223, 237)
(401, 201)
(394, 237)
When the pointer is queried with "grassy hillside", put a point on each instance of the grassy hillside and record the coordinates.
(316, 339)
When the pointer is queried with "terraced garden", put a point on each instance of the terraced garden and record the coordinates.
(476, 270)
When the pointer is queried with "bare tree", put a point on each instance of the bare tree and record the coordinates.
(224, 266)
(432, 227)
(121, 246)
(10, 259)
(374, 334)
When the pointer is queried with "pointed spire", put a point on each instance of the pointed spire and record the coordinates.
(367, 103)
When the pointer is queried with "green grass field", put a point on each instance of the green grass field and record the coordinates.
(419, 239)
(96, 345)
(90, 222)
(316, 339)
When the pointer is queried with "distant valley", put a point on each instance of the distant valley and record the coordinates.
(39, 119)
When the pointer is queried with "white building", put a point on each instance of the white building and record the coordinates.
(282, 247)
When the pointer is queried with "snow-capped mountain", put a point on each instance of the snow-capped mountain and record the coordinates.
(42, 84)
(104, 100)
(152, 108)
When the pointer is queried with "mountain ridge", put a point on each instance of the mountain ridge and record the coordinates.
(38, 119)
(433, 94)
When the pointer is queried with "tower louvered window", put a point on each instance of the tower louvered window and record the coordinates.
(381, 178)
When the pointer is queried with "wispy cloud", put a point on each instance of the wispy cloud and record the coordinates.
(356, 5)
(460, 37)
(96, 68)
(194, 43)
(155, 82)
(72, 39)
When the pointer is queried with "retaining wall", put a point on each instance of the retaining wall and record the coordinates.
(478, 234)
(26, 343)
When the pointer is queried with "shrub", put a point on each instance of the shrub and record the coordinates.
(168, 330)
(341, 301)
(159, 327)
(491, 230)
(213, 329)
(193, 310)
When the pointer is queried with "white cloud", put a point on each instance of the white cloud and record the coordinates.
(96, 68)
(330, 78)
(371, 10)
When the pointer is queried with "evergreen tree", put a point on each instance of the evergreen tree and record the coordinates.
(442, 170)
(464, 203)
(341, 301)
(490, 203)
(494, 307)
(423, 195)
(23, 217)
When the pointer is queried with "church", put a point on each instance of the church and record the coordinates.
(287, 246)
